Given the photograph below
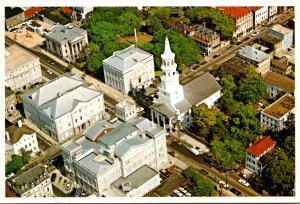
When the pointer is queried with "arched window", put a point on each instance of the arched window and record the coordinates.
(172, 62)
(173, 73)
(168, 63)
(164, 62)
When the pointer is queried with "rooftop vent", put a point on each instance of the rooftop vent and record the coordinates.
(126, 186)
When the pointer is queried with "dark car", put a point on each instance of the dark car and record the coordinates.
(246, 38)
(236, 192)
(203, 63)
(216, 55)
(206, 157)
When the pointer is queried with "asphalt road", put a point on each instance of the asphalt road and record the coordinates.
(197, 162)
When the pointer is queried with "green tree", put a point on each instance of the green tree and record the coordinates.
(214, 19)
(228, 152)
(203, 187)
(289, 147)
(110, 47)
(203, 118)
(251, 88)
(161, 13)
(154, 25)
(17, 163)
(94, 62)
(278, 173)
(127, 22)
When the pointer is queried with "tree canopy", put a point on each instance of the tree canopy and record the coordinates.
(278, 173)
(214, 19)
(204, 186)
(17, 163)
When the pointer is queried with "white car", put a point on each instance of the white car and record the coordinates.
(49, 71)
(254, 34)
(183, 190)
(224, 184)
(243, 182)
(177, 192)
(188, 194)
(194, 151)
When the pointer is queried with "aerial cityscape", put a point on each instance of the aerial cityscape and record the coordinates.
(150, 101)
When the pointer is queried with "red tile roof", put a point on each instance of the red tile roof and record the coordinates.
(9, 193)
(260, 146)
(255, 8)
(32, 11)
(66, 10)
(235, 11)
(200, 39)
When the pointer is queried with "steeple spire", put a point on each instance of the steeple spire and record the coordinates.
(168, 54)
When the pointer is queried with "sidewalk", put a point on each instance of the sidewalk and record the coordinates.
(47, 138)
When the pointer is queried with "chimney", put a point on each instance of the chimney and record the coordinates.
(250, 144)
(260, 137)
(20, 123)
(7, 136)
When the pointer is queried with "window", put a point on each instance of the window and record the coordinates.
(75, 120)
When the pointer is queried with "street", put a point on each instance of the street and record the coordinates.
(198, 162)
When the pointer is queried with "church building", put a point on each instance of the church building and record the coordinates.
(174, 100)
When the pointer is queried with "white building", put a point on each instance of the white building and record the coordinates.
(22, 139)
(260, 15)
(64, 107)
(174, 100)
(22, 69)
(274, 116)
(113, 150)
(67, 41)
(83, 11)
(33, 183)
(256, 57)
(282, 33)
(277, 83)
(129, 70)
(257, 154)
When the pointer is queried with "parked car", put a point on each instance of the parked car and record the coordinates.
(244, 182)
(194, 151)
(216, 55)
(188, 194)
(236, 192)
(164, 172)
(173, 153)
(182, 190)
(50, 62)
(203, 62)
(49, 71)
(203, 171)
(225, 185)
(177, 192)
(9, 175)
(169, 170)
(246, 38)
(254, 34)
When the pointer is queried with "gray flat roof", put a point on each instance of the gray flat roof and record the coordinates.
(17, 57)
(141, 123)
(118, 133)
(281, 29)
(252, 53)
(66, 32)
(124, 59)
(137, 178)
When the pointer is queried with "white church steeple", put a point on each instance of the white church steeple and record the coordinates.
(170, 91)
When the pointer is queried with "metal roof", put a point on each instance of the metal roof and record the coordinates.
(123, 60)
(127, 144)
(66, 32)
(117, 134)
(252, 53)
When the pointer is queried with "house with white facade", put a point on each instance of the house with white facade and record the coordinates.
(64, 107)
(277, 83)
(174, 100)
(22, 69)
(67, 41)
(32, 183)
(129, 70)
(260, 15)
(83, 11)
(112, 150)
(259, 59)
(282, 33)
(273, 10)
(257, 154)
(22, 139)
(274, 116)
